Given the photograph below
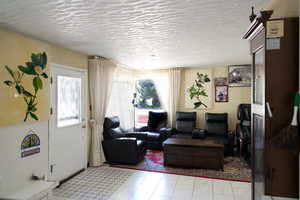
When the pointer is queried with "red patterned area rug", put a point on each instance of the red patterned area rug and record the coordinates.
(234, 168)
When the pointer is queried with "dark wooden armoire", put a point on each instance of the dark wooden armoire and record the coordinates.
(274, 47)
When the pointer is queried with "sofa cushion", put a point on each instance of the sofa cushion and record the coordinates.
(186, 122)
(186, 116)
(153, 136)
(113, 133)
(216, 123)
(111, 122)
(157, 120)
(185, 127)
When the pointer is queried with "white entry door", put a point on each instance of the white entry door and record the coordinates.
(67, 123)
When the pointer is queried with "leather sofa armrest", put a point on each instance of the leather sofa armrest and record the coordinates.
(130, 140)
(142, 129)
(137, 135)
(121, 150)
(127, 144)
(166, 131)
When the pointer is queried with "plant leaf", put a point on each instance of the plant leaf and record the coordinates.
(26, 101)
(27, 94)
(33, 116)
(8, 83)
(27, 70)
(40, 82)
(197, 104)
(43, 60)
(44, 75)
(30, 65)
(9, 71)
(19, 89)
(206, 79)
(37, 83)
(35, 59)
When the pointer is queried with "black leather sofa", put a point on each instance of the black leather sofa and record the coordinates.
(216, 127)
(120, 146)
(156, 130)
(243, 131)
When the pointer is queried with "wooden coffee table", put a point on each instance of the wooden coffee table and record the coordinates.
(194, 153)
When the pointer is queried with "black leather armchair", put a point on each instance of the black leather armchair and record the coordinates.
(156, 130)
(217, 128)
(243, 131)
(120, 146)
(185, 124)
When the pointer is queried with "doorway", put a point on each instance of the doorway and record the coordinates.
(67, 126)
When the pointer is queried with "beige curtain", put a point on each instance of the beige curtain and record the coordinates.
(174, 77)
(101, 72)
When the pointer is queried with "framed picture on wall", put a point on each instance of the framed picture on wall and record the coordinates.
(221, 93)
(239, 75)
(221, 81)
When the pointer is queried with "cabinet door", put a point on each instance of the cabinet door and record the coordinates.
(258, 117)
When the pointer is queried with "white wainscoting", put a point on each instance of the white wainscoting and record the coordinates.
(15, 172)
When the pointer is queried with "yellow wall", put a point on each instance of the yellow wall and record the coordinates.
(283, 8)
(15, 50)
(237, 95)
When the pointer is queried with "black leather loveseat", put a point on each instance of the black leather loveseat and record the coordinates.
(216, 127)
(120, 146)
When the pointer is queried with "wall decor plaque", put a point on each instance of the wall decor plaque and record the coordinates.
(30, 144)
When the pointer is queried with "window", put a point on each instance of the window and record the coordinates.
(146, 95)
(147, 99)
(68, 101)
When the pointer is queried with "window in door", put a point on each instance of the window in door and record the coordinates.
(68, 101)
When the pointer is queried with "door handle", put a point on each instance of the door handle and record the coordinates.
(269, 110)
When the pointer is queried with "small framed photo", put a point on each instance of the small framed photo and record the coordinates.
(221, 93)
(221, 81)
(239, 75)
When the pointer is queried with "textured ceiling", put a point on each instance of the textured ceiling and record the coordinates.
(139, 33)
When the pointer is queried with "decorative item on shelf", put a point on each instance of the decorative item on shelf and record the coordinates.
(221, 81)
(221, 93)
(253, 15)
(35, 68)
(197, 90)
(239, 75)
(30, 144)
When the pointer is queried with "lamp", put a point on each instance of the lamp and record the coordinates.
(134, 106)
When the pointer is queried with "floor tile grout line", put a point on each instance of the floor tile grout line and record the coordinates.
(150, 197)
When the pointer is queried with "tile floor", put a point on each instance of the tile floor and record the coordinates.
(157, 186)
(143, 185)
